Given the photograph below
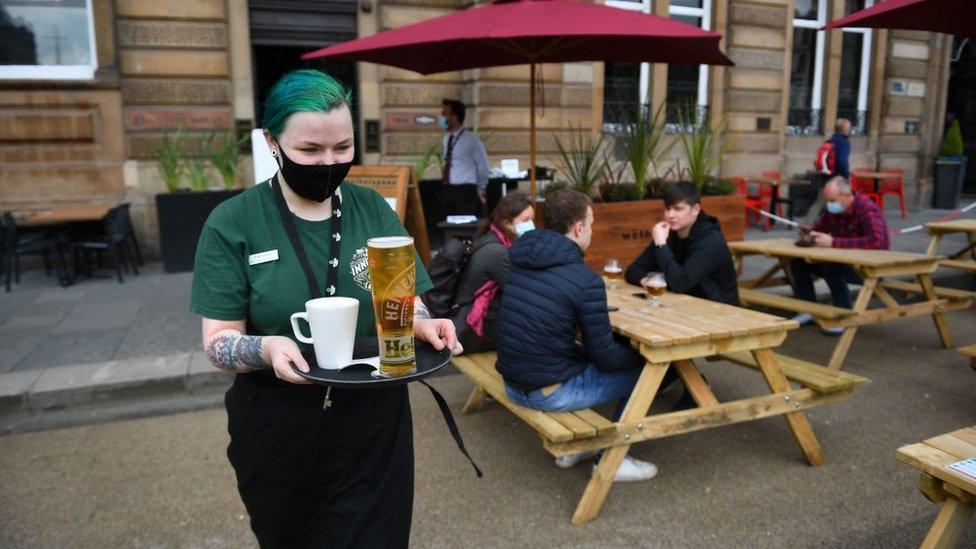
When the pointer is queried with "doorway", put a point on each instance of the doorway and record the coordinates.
(961, 103)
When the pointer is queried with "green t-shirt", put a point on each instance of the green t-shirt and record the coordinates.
(227, 287)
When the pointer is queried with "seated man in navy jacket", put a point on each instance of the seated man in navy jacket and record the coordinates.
(555, 347)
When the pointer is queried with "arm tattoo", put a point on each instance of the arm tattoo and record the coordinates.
(420, 311)
(236, 353)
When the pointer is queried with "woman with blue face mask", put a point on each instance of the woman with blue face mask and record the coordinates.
(479, 291)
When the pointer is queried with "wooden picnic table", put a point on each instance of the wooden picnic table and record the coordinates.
(940, 484)
(955, 260)
(683, 329)
(871, 265)
(67, 213)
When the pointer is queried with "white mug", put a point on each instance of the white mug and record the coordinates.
(332, 321)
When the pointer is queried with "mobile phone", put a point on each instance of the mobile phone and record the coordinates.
(612, 309)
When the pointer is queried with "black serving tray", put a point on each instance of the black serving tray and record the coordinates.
(360, 375)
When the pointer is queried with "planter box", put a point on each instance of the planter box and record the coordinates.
(950, 173)
(622, 230)
(181, 217)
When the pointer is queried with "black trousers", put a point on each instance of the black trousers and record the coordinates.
(314, 477)
(460, 200)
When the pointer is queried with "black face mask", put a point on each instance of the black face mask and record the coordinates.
(313, 181)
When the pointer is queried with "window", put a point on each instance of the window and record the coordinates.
(688, 84)
(53, 39)
(806, 76)
(855, 66)
(626, 85)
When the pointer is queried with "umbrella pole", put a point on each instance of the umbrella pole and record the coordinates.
(532, 133)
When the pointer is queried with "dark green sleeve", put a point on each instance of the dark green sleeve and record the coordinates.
(220, 287)
(393, 227)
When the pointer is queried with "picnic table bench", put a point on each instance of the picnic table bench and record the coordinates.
(683, 329)
(940, 484)
(955, 260)
(971, 352)
(872, 266)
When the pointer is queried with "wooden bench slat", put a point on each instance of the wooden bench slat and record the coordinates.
(969, 350)
(601, 424)
(808, 374)
(915, 288)
(959, 264)
(540, 421)
(766, 299)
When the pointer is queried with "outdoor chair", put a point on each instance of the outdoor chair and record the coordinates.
(130, 233)
(15, 242)
(752, 202)
(865, 185)
(894, 185)
(115, 241)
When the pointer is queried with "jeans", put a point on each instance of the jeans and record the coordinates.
(836, 275)
(589, 388)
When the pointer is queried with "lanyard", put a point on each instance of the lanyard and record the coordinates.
(334, 248)
(335, 245)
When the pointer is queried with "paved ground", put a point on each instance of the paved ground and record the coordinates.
(165, 481)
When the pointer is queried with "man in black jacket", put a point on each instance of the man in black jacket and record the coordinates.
(556, 350)
(689, 249)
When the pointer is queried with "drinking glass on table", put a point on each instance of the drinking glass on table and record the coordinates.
(614, 271)
(655, 285)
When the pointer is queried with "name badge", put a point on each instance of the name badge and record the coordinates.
(263, 257)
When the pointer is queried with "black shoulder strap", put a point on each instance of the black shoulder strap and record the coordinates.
(292, 231)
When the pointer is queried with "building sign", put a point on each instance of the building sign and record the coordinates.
(410, 120)
(173, 119)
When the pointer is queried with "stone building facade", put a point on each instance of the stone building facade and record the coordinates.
(154, 66)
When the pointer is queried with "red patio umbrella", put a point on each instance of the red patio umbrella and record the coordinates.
(948, 16)
(516, 32)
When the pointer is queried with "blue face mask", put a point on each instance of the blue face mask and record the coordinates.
(524, 227)
(835, 207)
(442, 122)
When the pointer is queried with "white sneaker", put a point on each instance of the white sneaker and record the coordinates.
(633, 470)
(565, 462)
(833, 331)
(803, 319)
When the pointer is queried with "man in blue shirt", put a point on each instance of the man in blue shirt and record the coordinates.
(842, 166)
(842, 148)
(465, 164)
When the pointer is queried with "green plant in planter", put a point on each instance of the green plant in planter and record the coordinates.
(644, 147)
(553, 187)
(580, 159)
(225, 155)
(952, 141)
(169, 157)
(702, 146)
(430, 155)
(717, 186)
(198, 174)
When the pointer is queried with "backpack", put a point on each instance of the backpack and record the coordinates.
(445, 272)
(826, 161)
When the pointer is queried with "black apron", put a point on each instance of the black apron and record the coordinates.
(318, 470)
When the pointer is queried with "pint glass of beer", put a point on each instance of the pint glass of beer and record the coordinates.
(392, 273)
(655, 285)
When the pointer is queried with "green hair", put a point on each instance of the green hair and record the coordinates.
(302, 90)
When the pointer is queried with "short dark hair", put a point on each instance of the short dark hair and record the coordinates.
(682, 191)
(456, 106)
(564, 208)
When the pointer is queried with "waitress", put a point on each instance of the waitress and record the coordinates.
(314, 467)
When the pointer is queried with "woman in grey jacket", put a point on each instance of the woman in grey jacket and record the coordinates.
(479, 291)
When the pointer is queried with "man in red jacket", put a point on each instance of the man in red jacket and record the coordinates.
(848, 220)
